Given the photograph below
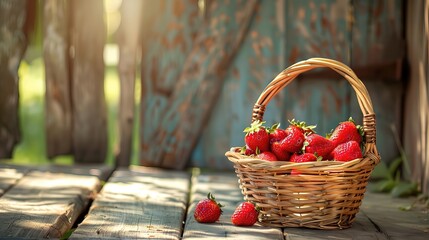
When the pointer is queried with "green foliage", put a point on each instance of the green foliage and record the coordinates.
(389, 180)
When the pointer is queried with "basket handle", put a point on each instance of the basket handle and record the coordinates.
(290, 73)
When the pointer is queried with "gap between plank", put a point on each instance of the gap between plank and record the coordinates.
(85, 211)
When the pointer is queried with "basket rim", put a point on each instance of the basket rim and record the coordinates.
(257, 163)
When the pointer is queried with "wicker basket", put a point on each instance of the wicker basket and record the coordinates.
(327, 194)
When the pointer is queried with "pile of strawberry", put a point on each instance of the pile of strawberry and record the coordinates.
(300, 143)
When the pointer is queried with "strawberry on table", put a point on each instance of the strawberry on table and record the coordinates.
(245, 214)
(346, 131)
(269, 156)
(316, 144)
(347, 151)
(257, 137)
(208, 210)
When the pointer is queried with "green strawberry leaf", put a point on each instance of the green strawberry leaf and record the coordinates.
(273, 128)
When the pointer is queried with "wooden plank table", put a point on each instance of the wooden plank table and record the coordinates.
(149, 203)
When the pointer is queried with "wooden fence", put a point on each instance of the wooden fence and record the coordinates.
(203, 65)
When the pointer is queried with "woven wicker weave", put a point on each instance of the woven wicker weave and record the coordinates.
(327, 194)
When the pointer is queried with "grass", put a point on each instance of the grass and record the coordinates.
(32, 148)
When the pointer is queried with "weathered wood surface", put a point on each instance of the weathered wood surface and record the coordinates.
(377, 40)
(13, 41)
(168, 34)
(9, 176)
(141, 203)
(199, 84)
(128, 41)
(226, 191)
(258, 60)
(386, 214)
(45, 205)
(88, 36)
(416, 104)
(58, 103)
(317, 29)
(362, 228)
(145, 203)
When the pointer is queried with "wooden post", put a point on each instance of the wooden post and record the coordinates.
(13, 39)
(128, 40)
(58, 106)
(88, 36)
(416, 114)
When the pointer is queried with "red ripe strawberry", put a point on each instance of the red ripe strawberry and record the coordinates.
(316, 144)
(281, 154)
(247, 151)
(293, 141)
(305, 157)
(208, 210)
(347, 151)
(257, 137)
(245, 215)
(269, 156)
(303, 126)
(276, 134)
(346, 131)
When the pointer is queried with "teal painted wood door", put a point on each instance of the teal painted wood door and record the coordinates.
(281, 33)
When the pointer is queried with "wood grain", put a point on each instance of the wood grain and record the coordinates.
(317, 29)
(129, 34)
(140, 203)
(58, 103)
(258, 61)
(9, 176)
(386, 214)
(377, 33)
(88, 36)
(225, 188)
(45, 205)
(13, 40)
(416, 104)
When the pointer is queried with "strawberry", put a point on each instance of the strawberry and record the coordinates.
(303, 126)
(208, 210)
(293, 141)
(305, 157)
(269, 156)
(276, 134)
(257, 137)
(245, 214)
(281, 154)
(247, 151)
(347, 151)
(316, 144)
(346, 131)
